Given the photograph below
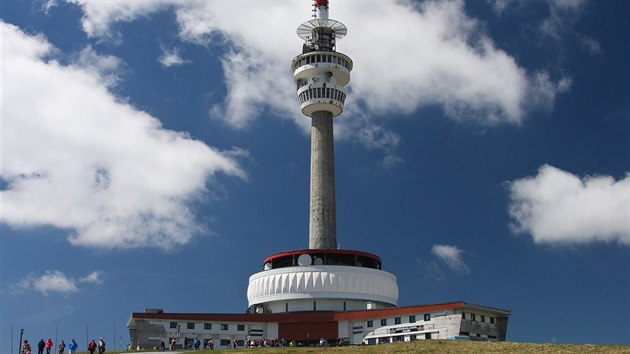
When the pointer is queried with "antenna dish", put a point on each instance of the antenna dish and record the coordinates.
(305, 31)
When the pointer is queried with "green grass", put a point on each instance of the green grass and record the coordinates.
(432, 346)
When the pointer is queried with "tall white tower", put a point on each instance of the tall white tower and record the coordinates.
(321, 75)
(322, 277)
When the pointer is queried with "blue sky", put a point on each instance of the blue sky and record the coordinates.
(153, 153)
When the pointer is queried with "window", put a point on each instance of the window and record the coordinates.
(384, 322)
(207, 326)
(483, 318)
(412, 319)
(224, 327)
(397, 320)
(370, 323)
(472, 317)
(427, 317)
(190, 325)
(173, 324)
(492, 320)
(240, 327)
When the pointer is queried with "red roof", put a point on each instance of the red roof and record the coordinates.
(322, 251)
(297, 317)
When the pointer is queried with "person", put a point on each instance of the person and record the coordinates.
(40, 346)
(73, 346)
(211, 344)
(173, 343)
(49, 345)
(101, 346)
(26, 348)
(234, 343)
(162, 345)
(62, 347)
(92, 346)
(196, 343)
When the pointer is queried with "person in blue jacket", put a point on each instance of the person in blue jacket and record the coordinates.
(73, 346)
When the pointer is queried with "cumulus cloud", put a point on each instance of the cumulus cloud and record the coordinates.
(375, 137)
(50, 282)
(77, 157)
(562, 14)
(93, 278)
(557, 207)
(171, 57)
(448, 59)
(452, 257)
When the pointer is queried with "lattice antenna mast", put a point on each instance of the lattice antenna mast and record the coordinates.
(320, 33)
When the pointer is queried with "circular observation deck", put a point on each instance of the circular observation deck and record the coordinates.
(320, 79)
(321, 279)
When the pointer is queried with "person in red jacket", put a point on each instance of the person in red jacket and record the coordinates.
(49, 345)
(92, 346)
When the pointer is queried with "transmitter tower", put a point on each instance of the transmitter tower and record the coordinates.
(321, 75)
(322, 277)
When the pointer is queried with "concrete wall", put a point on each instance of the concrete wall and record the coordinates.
(482, 328)
(149, 333)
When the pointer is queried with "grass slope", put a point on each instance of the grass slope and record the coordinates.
(436, 346)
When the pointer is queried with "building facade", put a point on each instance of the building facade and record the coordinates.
(454, 320)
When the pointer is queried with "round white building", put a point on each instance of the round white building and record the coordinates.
(321, 280)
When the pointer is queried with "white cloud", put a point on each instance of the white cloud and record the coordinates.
(452, 256)
(557, 207)
(79, 158)
(171, 57)
(375, 137)
(591, 44)
(93, 278)
(50, 282)
(423, 54)
(562, 14)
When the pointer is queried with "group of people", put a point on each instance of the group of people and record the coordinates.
(72, 346)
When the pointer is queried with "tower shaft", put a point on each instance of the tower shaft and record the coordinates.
(321, 75)
(322, 223)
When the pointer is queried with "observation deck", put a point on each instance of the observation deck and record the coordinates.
(321, 280)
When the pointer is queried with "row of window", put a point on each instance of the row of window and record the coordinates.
(478, 335)
(322, 92)
(398, 320)
(208, 326)
(322, 58)
(373, 341)
(479, 318)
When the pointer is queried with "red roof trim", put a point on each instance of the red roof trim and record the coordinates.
(292, 317)
(320, 251)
